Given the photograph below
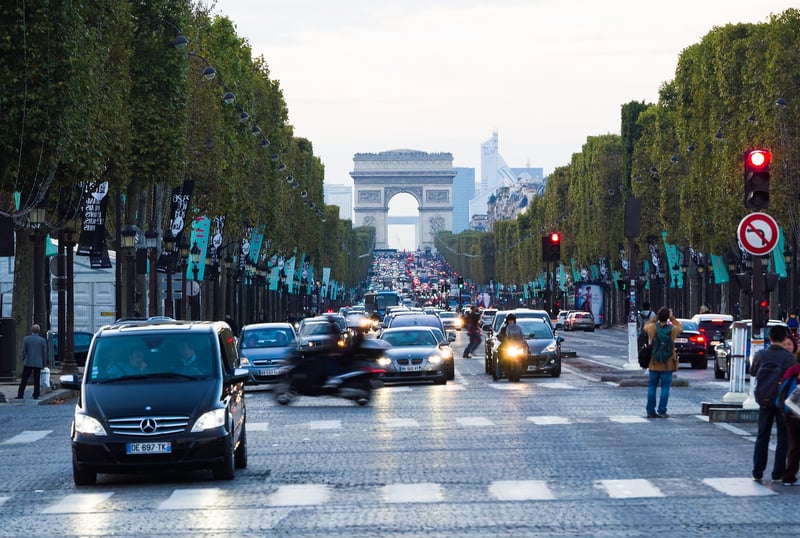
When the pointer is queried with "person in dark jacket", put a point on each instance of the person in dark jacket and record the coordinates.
(789, 477)
(775, 356)
(34, 357)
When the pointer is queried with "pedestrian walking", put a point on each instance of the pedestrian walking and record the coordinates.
(34, 358)
(792, 420)
(661, 332)
(473, 331)
(768, 367)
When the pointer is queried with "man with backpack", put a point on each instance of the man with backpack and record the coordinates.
(768, 367)
(661, 333)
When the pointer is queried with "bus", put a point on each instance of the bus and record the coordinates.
(376, 302)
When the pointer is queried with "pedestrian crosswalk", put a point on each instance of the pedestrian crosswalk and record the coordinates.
(313, 494)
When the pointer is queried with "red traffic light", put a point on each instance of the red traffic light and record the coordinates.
(758, 159)
(555, 238)
(764, 304)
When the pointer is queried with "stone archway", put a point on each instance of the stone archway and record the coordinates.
(428, 177)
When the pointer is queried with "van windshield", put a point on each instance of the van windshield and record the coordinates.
(145, 354)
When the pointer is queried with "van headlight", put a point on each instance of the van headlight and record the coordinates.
(89, 425)
(210, 420)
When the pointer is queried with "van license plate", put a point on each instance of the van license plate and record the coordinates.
(149, 448)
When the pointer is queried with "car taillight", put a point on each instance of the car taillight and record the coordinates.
(697, 339)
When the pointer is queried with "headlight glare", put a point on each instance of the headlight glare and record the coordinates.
(384, 362)
(88, 425)
(210, 420)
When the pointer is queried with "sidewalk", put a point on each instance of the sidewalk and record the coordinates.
(47, 396)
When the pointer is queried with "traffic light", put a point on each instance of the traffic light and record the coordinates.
(756, 178)
(461, 282)
(551, 247)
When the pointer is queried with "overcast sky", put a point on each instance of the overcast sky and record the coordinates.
(365, 76)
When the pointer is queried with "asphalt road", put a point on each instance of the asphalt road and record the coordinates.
(567, 456)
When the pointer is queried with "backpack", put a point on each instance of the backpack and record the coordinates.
(768, 381)
(786, 388)
(662, 343)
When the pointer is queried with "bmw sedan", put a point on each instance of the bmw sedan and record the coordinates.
(264, 349)
(416, 355)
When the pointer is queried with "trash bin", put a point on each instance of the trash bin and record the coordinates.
(8, 349)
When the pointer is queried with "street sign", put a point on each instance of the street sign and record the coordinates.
(758, 233)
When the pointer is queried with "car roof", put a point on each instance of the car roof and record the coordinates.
(697, 318)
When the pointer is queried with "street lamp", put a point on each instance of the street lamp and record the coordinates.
(169, 247)
(36, 219)
(184, 252)
(72, 230)
(128, 245)
(151, 243)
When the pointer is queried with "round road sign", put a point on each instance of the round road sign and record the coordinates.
(758, 234)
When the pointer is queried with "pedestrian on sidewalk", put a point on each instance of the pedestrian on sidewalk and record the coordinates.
(34, 357)
(768, 367)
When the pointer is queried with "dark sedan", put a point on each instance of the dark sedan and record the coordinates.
(80, 341)
(416, 355)
(264, 349)
(690, 345)
(544, 348)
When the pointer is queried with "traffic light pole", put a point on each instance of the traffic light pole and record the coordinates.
(633, 350)
(758, 326)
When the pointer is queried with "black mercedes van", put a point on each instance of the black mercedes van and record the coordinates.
(159, 395)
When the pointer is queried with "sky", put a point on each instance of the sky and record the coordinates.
(366, 76)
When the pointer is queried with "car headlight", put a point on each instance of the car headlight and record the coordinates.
(210, 420)
(550, 348)
(245, 362)
(435, 359)
(384, 362)
(88, 425)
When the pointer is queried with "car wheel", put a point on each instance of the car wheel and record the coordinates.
(556, 372)
(240, 455)
(727, 372)
(225, 470)
(718, 374)
(82, 476)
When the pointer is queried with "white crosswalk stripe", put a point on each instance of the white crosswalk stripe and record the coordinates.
(300, 495)
(27, 437)
(190, 499)
(78, 503)
(520, 490)
(412, 493)
(628, 489)
(547, 421)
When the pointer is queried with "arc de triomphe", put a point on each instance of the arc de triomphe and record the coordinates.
(428, 177)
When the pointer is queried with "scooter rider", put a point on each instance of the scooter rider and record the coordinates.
(510, 331)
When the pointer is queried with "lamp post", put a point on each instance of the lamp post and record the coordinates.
(682, 294)
(194, 252)
(169, 247)
(788, 257)
(151, 241)
(36, 218)
(128, 245)
(700, 285)
(675, 270)
(71, 236)
(731, 293)
(184, 252)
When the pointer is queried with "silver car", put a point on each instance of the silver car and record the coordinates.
(417, 354)
(264, 349)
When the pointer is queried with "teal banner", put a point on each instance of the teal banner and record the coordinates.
(199, 237)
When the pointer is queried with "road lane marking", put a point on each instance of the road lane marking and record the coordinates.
(78, 502)
(257, 426)
(412, 493)
(28, 436)
(625, 419)
(520, 490)
(401, 423)
(739, 487)
(629, 489)
(474, 421)
(300, 495)
(190, 499)
(555, 385)
(325, 424)
(548, 421)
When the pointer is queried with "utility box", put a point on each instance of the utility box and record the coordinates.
(8, 349)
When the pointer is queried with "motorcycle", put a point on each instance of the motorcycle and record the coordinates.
(308, 374)
(510, 358)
